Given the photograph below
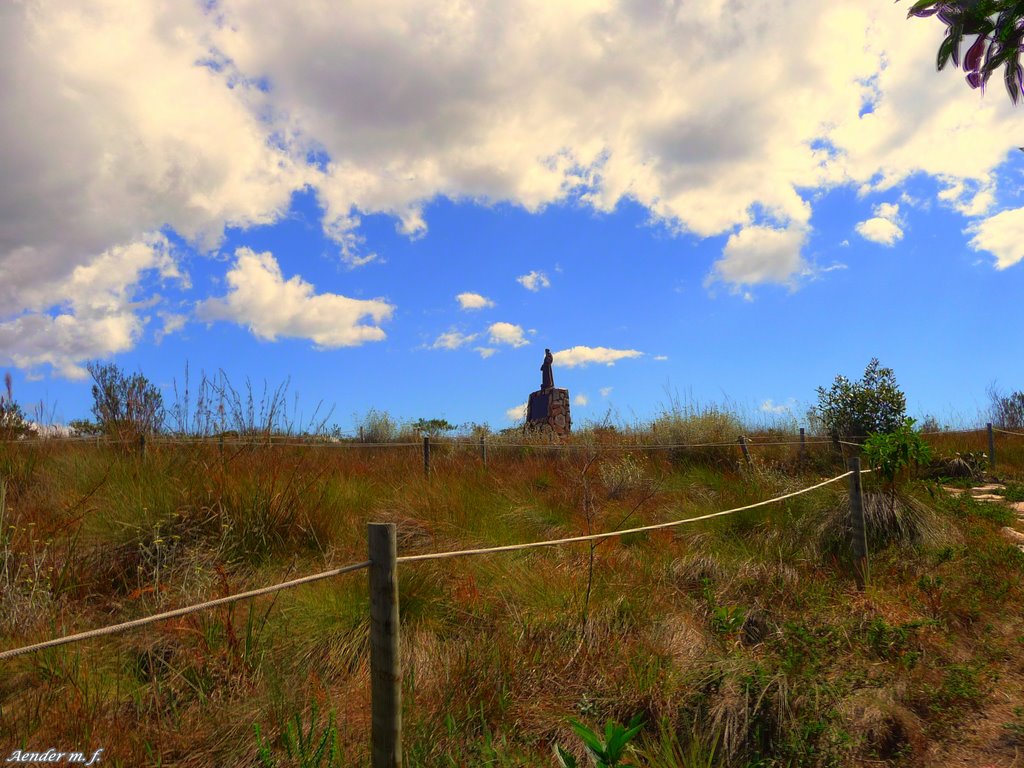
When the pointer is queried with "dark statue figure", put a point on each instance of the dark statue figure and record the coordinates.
(547, 378)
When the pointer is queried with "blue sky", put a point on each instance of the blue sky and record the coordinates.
(314, 202)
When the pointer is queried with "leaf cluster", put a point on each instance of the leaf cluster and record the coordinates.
(607, 751)
(999, 38)
(892, 454)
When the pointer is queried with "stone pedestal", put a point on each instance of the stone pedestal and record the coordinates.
(549, 409)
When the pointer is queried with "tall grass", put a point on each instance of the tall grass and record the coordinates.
(741, 639)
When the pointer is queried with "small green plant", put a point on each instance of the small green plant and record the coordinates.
(1016, 726)
(1014, 492)
(606, 752)
(893, 454)
(724, 619)
(305, 748)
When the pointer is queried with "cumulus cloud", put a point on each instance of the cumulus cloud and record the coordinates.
(1001, 235)
(517, 413)
(884, 227)
(94, 312)
(580, 399)
(769, 406)
(661, 358)
(534, 281)
(759, 254)
(452, 340)
(507, 333)
(581, 356)
(261, 299)
(605, 391)
(485, 352)
(123, 118)
(111, 129)
(474, 301)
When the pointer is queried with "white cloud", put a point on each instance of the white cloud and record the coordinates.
(485, 352)
(605, 391)
(769, 406)
(173, 322)
(453, 340)
(507, 333)
(260, 298)
(534, 281)
(661, 358)
(580, 399)
(110, 130)
(759, 254)
(474, 301)
(517, 413)
(884, 227)
(1001, 235)
(91, 313)
(580, 356)
(957, 193)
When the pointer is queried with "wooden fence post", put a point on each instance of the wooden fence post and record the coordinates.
(426, 455)
(803, 446)
(220, 445)
(991, 447)
(142, 445)
(361, 435)
(483, 451)
(385, 658)
(860, 535)
(746, 451)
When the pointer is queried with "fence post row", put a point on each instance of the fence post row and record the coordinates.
(991, 447)
(385, 658)
(860, 535)
(746, 451)
(426, 455)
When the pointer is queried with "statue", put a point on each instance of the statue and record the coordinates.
(547, 378)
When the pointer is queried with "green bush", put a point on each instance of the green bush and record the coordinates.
(852, 410)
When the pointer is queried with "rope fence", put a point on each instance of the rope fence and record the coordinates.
(126, 625)
(293, 441)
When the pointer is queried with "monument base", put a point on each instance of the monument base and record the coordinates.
(549, 409)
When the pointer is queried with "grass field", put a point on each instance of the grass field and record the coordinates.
(742, 641)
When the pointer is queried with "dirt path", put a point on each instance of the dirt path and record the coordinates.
(991, 492)
(995, 739)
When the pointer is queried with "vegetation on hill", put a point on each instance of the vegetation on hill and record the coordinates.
(735, 641)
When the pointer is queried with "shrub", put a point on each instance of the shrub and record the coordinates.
(1006, 411)
(852, 410)
(378, 427)
(125, 406)
(12, 420)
